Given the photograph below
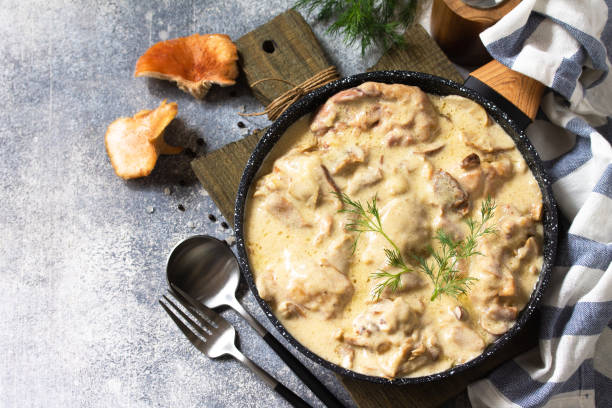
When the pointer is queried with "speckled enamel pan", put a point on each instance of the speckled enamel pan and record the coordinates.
(504, 113)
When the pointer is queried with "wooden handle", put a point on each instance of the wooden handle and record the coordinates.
(524, 92)
(455, 26)
(487, 16)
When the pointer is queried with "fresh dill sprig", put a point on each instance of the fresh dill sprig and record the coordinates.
(390, 280)
(365, 21)
(487, 210)
(367, 219)
(443, 270)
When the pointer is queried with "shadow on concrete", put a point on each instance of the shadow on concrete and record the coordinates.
(174, 170)
(217, 94)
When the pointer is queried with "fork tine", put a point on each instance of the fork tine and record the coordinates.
(195, 311)
(189, 320)
(209, 314)
(193, 338)
(227, 346)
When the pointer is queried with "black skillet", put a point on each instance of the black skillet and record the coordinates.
(512, 119)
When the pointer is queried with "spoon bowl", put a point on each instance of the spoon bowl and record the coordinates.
(206, 269)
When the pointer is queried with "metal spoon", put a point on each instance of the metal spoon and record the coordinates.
(207, 269)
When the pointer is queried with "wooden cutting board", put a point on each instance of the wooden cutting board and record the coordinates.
(296, 56)
(287, 48)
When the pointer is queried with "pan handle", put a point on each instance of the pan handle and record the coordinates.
(515, 93)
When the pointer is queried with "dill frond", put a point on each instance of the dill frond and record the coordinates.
(443, 273)
(367, 219)
(366, 22)
(390, 280)
(443, 270)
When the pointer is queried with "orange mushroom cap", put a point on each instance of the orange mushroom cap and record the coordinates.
(133, 144)
(194, 63)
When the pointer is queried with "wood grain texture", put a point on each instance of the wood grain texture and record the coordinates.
(485, 16)
(295, 55)
(220, 173)
(521, 90)
(456, 26)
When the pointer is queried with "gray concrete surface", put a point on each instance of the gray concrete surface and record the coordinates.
(83, 252)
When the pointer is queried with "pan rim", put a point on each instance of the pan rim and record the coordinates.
(431, 84)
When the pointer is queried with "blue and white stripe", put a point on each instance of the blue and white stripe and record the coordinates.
(566, 45)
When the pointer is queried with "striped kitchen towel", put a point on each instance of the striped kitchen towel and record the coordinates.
(566, 45)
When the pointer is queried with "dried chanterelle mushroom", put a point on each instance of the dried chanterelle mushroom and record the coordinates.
(194, 63)
(133, 144)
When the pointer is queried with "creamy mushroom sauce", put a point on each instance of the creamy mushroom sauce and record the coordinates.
(430, 161)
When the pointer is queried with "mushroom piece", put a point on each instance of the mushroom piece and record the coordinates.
(466, 112)
(133, 144)
(492, 140)
(449, 194)
(458, 312)
(474, 125)
(195, 63)
(498, 319)
(460, 342)
(430, 148)
(290, 310)
(470, 161)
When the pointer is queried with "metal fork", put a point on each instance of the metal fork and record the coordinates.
(217, 338)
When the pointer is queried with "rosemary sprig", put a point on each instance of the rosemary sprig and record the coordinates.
(443, 270)
(364, 21)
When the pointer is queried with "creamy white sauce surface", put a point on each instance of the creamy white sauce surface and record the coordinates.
(430, 161)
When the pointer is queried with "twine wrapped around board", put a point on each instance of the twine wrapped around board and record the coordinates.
(280, 104)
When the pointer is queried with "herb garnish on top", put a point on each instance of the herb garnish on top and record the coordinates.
(443, 270)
